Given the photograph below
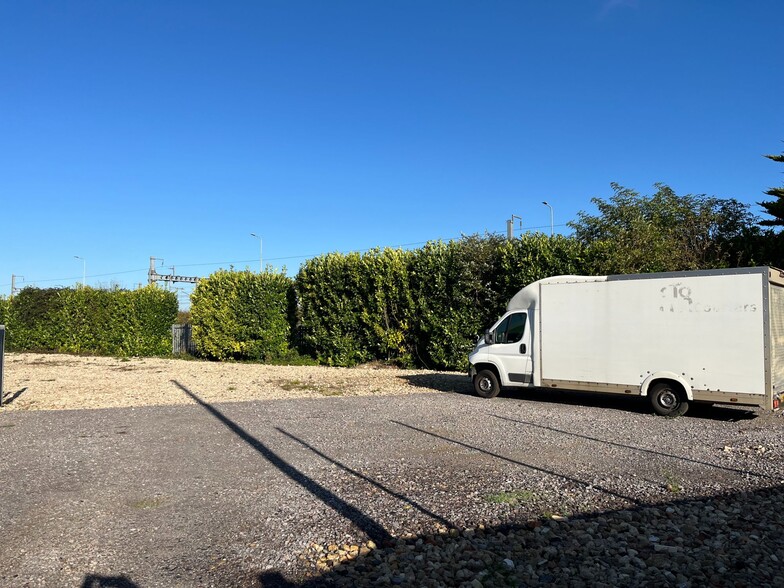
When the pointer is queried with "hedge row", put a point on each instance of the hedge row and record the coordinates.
(423, 307)
(88, 320)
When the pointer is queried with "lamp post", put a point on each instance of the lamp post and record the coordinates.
(261, 267)
(551, 216)
(84, 270)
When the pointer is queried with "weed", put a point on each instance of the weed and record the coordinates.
(672, 483)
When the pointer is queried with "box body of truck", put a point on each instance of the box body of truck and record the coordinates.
(709, 336)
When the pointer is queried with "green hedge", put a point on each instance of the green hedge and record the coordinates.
(354, 308)
(424, 307)
(242, 315)
(88, 320)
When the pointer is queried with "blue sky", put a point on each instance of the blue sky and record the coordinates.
(175, 129)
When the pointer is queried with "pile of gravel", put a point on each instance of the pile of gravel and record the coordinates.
(732, 540)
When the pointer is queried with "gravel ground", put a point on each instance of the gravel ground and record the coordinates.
(37, 381)
(437, 488)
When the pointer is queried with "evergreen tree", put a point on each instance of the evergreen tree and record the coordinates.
(774, 208)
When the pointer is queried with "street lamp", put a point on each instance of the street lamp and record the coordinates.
(551, 216)
(84, 270)
(261, 268)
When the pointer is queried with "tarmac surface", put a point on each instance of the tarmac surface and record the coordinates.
(230, 494)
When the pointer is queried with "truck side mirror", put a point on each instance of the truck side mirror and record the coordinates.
(488, 337)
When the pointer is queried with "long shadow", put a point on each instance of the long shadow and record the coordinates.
(369, 480)
(13, 396)
(632, 447)
(96, 581)
(370, 527)
(523, 464)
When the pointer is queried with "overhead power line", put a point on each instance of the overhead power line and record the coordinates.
(255, 260)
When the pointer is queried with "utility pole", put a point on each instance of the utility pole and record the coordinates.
(13, 284)
(510, 226)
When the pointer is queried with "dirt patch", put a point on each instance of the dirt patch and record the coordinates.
(36, 381)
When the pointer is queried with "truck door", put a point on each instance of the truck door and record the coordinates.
(512, 348)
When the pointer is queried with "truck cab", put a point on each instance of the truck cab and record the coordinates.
(503, 355)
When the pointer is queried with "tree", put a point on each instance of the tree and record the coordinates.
(665, 232)
(774, 208)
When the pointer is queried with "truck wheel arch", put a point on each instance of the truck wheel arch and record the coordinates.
(655, 377)
(486, 365)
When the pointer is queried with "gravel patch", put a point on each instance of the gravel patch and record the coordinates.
(66, 382)
(424, 486)
(733, 540)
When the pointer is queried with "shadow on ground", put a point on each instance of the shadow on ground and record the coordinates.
(460, 384)
(727, 540)
(634, 404)
(11, 397)
(96, 581)
(720, 540)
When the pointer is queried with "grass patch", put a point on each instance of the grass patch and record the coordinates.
(146, 503)
(298, 385)
(310, 387)
(512, 498)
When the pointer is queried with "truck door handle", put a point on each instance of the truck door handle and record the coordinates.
(522, 347)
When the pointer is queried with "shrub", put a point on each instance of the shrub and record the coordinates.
(353, 308)
(241, 315)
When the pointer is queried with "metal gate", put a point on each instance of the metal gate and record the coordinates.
(182, 342)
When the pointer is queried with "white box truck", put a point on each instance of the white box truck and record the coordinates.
(714, 336)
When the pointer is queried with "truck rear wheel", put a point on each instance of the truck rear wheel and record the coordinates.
(668, 400)
(486, 384)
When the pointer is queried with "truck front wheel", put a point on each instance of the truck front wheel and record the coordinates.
(668, 400)
(486, 384)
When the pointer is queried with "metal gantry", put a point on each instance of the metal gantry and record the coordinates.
(153, 275)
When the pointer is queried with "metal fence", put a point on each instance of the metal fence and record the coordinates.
(182, 341)
(2, 360)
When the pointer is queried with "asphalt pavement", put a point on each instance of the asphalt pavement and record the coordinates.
(225, 494)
